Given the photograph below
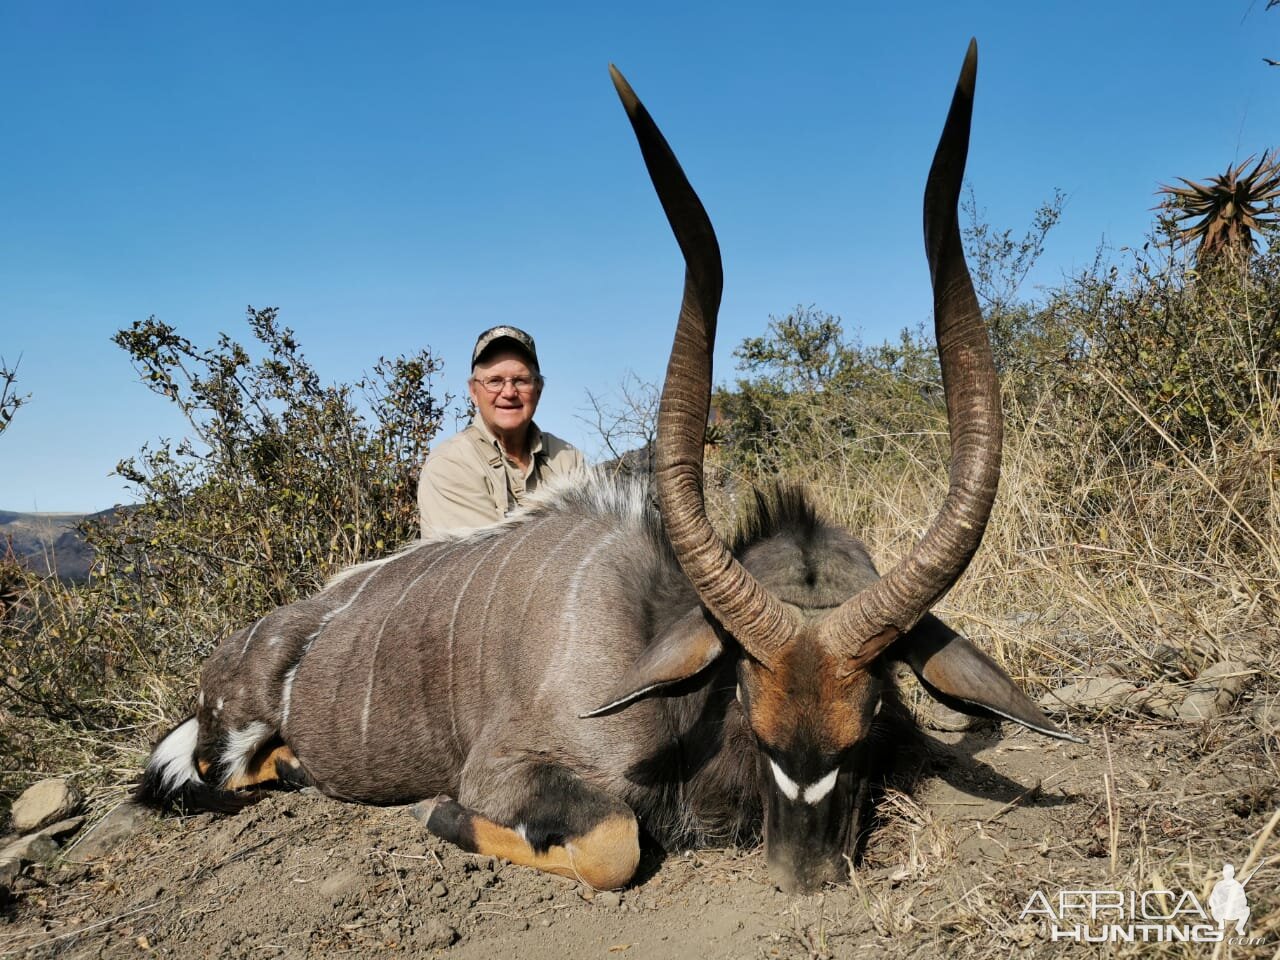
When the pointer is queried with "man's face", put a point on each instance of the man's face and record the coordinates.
(509, 410)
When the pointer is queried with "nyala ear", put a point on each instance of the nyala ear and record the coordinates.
(687, 647)
(959, 675)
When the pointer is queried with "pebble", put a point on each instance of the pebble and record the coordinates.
(1266, 714)
(1094, 694)
(1210, 695)
(1215, 690)
(937, 716)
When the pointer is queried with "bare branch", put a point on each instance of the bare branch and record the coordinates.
(10, 399)
(627, 424)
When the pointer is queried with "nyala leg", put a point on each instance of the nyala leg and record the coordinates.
(556, 824)
(273, 765)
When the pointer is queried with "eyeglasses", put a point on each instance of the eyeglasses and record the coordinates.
(495, 385)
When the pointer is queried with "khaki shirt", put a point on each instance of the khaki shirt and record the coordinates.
(468, 482)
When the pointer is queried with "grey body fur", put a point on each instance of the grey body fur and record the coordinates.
(449, 666)
(567, 682)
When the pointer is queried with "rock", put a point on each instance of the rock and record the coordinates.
(1202, 706)
(9, 870)
(1096, 695)
(1214, 691)
(434, 934)
(63, 828)
(1230, 675)
(1164, 699)
(44, 803)
(124, 821)
(340, 883)
(33, 848)
(610, 899)
(937, 716)
(438, 889)
(1266, 714)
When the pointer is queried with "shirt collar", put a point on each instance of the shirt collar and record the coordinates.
(491, 442)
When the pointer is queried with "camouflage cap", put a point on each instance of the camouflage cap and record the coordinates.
(519, 340)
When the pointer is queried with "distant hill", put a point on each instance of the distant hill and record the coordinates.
(49, 542)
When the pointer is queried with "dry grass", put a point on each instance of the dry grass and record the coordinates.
(1123, 543)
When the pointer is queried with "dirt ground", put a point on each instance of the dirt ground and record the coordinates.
(947, 871)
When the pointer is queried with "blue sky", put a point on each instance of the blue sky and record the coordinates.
(397, 175)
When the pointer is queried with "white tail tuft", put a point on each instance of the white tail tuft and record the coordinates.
(173, 762)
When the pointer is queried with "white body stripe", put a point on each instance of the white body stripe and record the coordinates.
(249, 639)
(286, 695)
(451, 686)
(568, 655)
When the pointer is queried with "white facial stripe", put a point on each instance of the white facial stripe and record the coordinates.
(817, 791)
(790, 789)
(812, 794)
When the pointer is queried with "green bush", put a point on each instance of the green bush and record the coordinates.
(806, 385)
(1193, 356)
(282, 482)
(1140, 494)
(1139, 505)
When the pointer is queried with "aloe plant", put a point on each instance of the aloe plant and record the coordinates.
(1228, 209)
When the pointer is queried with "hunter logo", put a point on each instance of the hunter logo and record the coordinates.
(1147, 916)
(1228, 902)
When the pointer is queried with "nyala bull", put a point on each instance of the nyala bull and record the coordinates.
(595, 669)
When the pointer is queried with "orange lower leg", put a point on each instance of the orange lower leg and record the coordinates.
(266, 766)
(605, 857)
